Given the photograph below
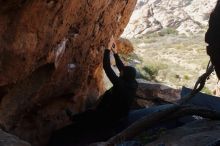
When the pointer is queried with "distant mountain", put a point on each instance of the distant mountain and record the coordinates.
(182, 16)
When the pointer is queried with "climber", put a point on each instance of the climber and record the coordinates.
(114, 104)
(117, 100)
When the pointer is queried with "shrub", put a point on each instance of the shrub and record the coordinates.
(186, 77)
(207, 91)
(167, 31)
(152, 70)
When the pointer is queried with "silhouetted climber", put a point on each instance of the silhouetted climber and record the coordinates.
(117, 100)
(113, 106)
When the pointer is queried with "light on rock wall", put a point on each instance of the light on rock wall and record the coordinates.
(59, 51)
(71, 67)
(119, 17)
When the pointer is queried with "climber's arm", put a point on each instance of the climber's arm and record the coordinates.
(107, 67)
(118, 62)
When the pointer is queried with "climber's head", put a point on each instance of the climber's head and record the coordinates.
(128, 73)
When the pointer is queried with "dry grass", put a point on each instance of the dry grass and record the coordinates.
(176, 60)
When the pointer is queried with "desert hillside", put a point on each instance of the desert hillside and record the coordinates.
(168, 37)
(185, 16)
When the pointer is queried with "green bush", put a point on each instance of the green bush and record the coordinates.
(207, 91)
(186, 77)
(167, 31)
(151, 70)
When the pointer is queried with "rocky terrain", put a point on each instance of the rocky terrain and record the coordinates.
(11, 140)
(51, 59)
(51, 56)
(169, 40)
(198, 133)
(184, 16)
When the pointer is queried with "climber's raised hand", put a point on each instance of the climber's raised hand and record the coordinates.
(111, 43)
(114, 47)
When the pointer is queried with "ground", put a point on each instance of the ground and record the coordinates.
(172, 59)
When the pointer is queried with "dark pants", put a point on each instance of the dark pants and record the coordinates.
(88, 127)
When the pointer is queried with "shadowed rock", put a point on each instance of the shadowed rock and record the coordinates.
(50, 59)
(11, 140)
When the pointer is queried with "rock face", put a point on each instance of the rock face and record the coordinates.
(184, 16)
(150, 93)
(11, 140)
(51, 59)
(124, 46)
(199, 133)
(150, 89)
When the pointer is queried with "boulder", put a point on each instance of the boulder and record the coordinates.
(149, 90)
(124, 46)
(198, 133)
(51, 59)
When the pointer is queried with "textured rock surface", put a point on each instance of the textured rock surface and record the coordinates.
(149, 89)
(199, 133)
(185, 16)
(51, 55)
(11, 140)
(124, 46)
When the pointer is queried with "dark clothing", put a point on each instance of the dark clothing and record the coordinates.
(116, 101)
(213, 33)
(98, 124)
(118, 61)
(212, 37)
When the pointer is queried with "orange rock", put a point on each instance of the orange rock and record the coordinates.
(41, 84)
(124, 46)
